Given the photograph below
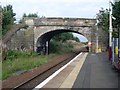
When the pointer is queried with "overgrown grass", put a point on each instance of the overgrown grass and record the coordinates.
(0, 32)
(17, 62)
(22, 61)
(59, 47)
(0, 69)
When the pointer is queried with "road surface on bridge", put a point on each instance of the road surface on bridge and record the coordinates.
(87, 71)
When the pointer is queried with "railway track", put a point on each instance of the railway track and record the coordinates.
(31, 83)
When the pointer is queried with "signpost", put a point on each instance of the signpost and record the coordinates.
(97, 35)
(89, 45)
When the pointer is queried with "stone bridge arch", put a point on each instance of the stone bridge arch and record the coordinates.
(45, 28)
(44, 34)
(41, 27)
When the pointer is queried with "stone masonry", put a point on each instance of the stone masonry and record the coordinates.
(40, 30)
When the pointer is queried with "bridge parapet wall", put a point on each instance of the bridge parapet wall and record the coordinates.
(76, 22)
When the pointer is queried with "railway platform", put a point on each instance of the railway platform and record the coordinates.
(88, 70)
(97, 72)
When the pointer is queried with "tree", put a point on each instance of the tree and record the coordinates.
(103, 17)
(8, 18)
(76, 39)
(58, 42)
(116, 14)
(31, 15)
(65, 36)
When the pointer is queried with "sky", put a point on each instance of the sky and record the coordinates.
(57, 8)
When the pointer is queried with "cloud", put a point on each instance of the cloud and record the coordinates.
(57, 8)
(52, 1)
(80, 37)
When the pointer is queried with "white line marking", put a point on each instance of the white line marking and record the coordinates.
(54, 74)
(69, 81)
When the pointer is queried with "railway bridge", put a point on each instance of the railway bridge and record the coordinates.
(45, 28)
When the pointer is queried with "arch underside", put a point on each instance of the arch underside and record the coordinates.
(43, 40)
(47, 36)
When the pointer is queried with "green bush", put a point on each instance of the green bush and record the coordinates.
(58, 43)
(13, 54)
(55, 47)
(59, 47)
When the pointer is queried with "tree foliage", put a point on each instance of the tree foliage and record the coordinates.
(103, 17)
(8, 18)
(58, 43)
(30, 15)
(65, 36)
(116, 13)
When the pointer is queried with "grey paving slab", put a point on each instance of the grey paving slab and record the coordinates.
(97, 72)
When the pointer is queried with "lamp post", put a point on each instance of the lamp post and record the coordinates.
(110, 31)
(97, 34)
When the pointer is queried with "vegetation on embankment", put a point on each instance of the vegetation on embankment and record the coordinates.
(0, 69)
(18, 62)
(58, 43)
(59, 47)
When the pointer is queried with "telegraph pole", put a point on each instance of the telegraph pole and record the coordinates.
(110, 30)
